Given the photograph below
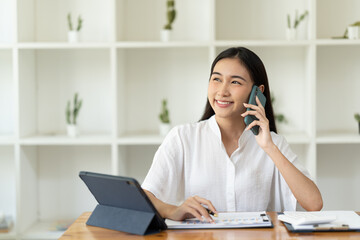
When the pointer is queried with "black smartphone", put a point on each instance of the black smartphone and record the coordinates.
(255, 91)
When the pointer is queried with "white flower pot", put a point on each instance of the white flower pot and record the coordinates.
(165, 35)
(353, 32)
(164, 128)
(291, 34)
(73, 36)
(72, 130)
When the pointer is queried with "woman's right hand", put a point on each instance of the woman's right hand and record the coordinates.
(193, 207)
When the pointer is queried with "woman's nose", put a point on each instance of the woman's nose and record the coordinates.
(224, 90)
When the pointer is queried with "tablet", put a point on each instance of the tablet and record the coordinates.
(122, 199)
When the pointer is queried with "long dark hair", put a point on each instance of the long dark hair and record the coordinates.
(257, 72)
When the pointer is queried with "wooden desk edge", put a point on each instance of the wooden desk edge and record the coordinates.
(79, 230)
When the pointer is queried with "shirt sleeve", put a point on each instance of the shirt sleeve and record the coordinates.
(165, 177)
(287, 198)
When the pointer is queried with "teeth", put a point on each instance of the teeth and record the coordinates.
(223, 102)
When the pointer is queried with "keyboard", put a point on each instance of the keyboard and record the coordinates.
(305, 218)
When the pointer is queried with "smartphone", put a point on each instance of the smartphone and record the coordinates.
(255, 91)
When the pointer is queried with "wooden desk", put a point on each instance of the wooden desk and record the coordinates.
(79, 230)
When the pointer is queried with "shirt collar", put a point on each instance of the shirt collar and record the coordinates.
(216, 129)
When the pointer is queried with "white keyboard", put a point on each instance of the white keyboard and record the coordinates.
(305, 218)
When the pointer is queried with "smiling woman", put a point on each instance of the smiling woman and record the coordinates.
(218, 163)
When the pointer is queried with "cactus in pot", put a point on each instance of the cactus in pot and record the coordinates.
(164, 126)
(72, 115)
(170, 15)
(73, 34)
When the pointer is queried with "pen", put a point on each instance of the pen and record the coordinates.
(211, 212)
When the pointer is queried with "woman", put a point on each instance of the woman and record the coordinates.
(218, 163)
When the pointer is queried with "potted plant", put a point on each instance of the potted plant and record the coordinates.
(291, 28)
(279, 118)
(353, 31)
(164, 126)
(73, 34)
(170, 14)
(71, 116)
(357, 118)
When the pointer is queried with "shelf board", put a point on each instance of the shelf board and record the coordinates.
(8, 46)
(7, 140)
(337, 137)
(64, 45)
(296, 138)
(140, 139)
(337, 42)
(42, 230)
(62, 139)
(159, 44)
(262, 43)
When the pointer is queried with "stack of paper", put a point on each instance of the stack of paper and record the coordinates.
(344, 221)
(225, 220)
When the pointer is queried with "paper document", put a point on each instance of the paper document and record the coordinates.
(344, 221)
(225, 220)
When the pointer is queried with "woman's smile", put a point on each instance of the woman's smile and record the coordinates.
(223, 104)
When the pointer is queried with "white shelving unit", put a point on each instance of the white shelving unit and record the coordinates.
(122, 71)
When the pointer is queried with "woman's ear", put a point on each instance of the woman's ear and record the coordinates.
(262, 88)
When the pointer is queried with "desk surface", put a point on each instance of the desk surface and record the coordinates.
(79, 230)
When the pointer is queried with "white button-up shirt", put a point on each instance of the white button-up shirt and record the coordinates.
(192, 160)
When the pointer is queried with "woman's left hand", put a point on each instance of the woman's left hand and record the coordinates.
(263, 138)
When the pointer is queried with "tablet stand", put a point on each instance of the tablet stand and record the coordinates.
(125, 220)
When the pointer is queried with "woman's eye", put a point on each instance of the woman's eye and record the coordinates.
(217, 79)
(236, 82)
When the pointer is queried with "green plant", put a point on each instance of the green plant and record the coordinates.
(164, 114)
(278, 117)
(345, 35)
(297, 19)
(171, 14)
(357, 117)
(72, 114)
(80, 22)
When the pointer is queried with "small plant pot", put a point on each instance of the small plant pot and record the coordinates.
(72, 130)
(164, 128)
(353, 32)
(291, 34)
(73, 36)
(165, 35)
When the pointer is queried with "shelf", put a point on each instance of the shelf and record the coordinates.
(64, 45)
(338, 176)
(58, 139)
(48, 79)
(337, 42)
(337, 88)
(333, 16)
(158, 44)
(140, 139)
(297, 138)
(338, 138)
(34, 17)
(7, 140)
(262, 43)
(247, 25)
(144, 89)
(146, 25)
(6, 46)
(7, 91)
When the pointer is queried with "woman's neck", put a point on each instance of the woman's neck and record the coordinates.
(230, 128)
